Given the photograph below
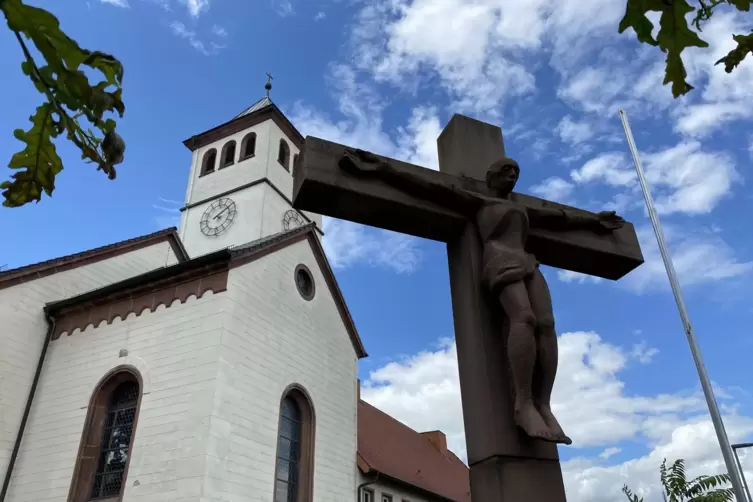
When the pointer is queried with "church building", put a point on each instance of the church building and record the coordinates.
(216, 362)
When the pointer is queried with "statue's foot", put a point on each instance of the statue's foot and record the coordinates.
(554, 426)
(527, 417)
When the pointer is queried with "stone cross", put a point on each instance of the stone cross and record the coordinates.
(506, 465)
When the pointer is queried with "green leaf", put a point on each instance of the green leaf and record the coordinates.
(37, 163)
(108, 65)
(736, 55)
(70, 98)
(743, 5)
(635, 17)
(674, 37)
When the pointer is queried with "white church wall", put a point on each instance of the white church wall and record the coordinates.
(275, 338)
(275, 208)
(24, 327)
(277, 174)
(176, 351)
(389, 491)
(282, 178)
(246, 226)
(240, 173)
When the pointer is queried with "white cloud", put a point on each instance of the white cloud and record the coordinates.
(725, 97)
(219, 31)
(698, 257)
(555, 189)
(319, 16)
(688, 179)
(118, 3)
(570, 276)
(179, 29)
(703, 118)
(594, 89)
(284, 8)
(418, 140)
(361, 124)
(196, 7)
(643, 353)
(346, 244)
(573, 132)
(168, 213)
(683, 178)
(609, 168)
(592, 403)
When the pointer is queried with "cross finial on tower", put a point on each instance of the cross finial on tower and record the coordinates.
(268, 85)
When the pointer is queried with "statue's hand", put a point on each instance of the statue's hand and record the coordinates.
(360, 162)
(608, 221)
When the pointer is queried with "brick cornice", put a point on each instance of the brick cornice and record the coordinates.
(146, 293)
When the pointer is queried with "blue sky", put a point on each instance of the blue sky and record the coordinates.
(386, 75)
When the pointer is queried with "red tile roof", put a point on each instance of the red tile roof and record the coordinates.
(397, 451)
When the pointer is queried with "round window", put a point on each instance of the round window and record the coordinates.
(304, 282)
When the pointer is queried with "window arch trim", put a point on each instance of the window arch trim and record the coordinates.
(205, 167)
(228, 147)
(87, 457)
(249, 138)
(307, 443)
(283, 154)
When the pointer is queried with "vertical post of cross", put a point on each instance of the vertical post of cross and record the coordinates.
(505, 464)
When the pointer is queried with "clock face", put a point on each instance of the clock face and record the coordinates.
(291, 219)
(218, 217)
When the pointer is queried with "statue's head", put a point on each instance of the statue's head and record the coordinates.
(502, 176)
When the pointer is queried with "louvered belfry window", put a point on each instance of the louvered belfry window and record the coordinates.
(288, 452)
(116, 438)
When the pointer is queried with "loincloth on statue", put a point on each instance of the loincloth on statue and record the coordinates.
(503, 267)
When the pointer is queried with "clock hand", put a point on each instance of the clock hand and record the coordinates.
(217, 217)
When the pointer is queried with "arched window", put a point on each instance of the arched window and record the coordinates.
(102, 463)
(283, 157)
(294, 475)
(248, 145)
(295, 163)
(228, 154)
(207, 164)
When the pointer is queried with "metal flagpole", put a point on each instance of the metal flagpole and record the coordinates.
(708, 391)
(740, 466)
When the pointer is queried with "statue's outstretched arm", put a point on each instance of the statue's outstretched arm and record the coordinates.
(562, 219)
(362, 163)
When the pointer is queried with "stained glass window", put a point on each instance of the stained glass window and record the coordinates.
(116, 436)
(288, 452)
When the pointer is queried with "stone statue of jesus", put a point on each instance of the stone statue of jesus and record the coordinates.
(510, 274)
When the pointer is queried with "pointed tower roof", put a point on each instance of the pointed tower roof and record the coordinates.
(260, 111)
(259, 105)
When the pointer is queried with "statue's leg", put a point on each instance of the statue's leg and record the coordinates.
(521, 352)
(546, 337)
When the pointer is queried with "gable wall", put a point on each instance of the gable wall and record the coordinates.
(24, 327)
(275, 338)
(176, 352)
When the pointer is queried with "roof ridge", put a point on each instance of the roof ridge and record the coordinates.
(262, 103)
(391, 417)
(82, 254)
(268, 239)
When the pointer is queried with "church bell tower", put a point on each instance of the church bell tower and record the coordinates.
(241, 182)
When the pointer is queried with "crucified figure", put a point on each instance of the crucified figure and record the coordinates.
(510, 274)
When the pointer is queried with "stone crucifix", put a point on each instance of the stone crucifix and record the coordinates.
(504, 327)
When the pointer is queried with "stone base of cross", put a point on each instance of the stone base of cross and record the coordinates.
(506, 465)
